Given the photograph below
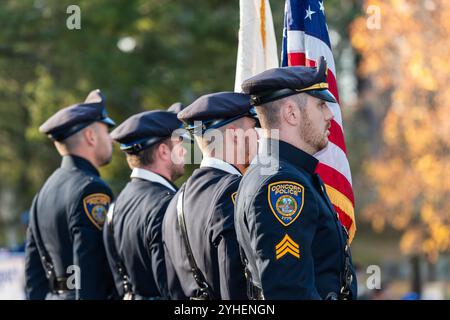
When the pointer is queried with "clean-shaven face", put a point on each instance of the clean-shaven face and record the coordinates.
(104, 145)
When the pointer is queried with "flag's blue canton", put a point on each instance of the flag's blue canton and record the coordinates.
(307, 16)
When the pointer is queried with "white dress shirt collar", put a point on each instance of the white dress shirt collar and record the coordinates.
(151, 176)
(219, 164)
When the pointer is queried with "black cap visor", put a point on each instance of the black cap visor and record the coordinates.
(323, 94)
(217, 123)
(108, 121)
(138, 146)
(64, 133)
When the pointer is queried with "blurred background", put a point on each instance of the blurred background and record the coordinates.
(392, 72)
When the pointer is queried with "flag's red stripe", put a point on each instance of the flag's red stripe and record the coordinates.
(337, 136)
(345, 219)
(331, 79)
(330, 175)
(337, 180)
(296, 59)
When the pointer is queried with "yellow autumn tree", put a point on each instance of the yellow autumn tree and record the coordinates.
(407, 60)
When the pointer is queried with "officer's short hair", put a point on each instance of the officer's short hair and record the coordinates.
(73, 141)
(146, 157)
(269, 113)
(69, 144)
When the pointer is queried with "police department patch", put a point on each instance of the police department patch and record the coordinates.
(286, 200)
(96, 207)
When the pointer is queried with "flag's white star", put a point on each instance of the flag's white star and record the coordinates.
(321, 7)
(309, 13)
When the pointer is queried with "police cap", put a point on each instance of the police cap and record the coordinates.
(144, 129)
(72, 119)
(278, 83)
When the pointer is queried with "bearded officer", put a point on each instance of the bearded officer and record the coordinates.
(65, 256)
(133, 233)
(293, 242)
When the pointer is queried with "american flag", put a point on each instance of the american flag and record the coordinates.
(305, 39)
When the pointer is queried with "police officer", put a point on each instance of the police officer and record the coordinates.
(201, 250)
(65, 257)
(293, 243)
(133, 234)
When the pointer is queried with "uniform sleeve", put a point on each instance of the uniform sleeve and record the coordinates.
(36, 282)
(155, 246)
(107, 241)
(232, 280)
(86, 222)
(175, 289)
(283, 227)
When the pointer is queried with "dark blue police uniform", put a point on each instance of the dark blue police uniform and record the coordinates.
(64, 237)
(207, 199)
(293, 242)
(134, 221)
(210, 226)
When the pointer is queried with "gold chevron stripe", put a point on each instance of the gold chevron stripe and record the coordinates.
(287, 245)
(287, 239)
(286, 251)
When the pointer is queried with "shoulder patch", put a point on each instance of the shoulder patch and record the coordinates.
(96, 208)
(286, 199)
(233, 197)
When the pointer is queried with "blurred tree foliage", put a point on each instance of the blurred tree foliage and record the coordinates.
(408, 67)
(184, 48)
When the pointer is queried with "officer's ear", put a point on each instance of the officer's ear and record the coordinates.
(90, 135)
(290, 112)
(164, 151)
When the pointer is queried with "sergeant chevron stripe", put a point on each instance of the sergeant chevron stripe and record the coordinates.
(285, 246)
